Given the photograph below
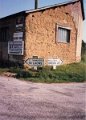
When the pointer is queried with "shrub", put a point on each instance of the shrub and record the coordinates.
(24, 74)
(65, 73)
(83, 52)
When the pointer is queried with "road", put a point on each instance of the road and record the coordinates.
(20, 100)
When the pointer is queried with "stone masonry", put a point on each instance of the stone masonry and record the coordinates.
(41, 34)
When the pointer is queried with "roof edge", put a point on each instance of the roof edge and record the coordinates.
(60, 4)
(52, 6)
(14, 14)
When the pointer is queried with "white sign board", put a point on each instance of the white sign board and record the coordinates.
(18, 36)
(19, 27)
(54, 62)
(35, 62)
(16, 47)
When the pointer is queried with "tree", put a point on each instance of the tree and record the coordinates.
(83, 51)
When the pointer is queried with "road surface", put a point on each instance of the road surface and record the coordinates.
(20, 100)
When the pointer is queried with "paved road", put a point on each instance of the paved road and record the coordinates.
(20, 100)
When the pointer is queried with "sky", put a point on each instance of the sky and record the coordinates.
(8, 7)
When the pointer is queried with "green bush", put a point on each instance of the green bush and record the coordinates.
(83, 52)
(14, 69)
(24, 74)
(64, 73)
(67, 73)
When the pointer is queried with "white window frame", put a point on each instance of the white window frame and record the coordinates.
(57, 37)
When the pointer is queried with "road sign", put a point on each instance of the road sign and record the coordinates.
(35, 62)
(54, 62)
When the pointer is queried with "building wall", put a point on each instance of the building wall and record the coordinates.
(9, 22)
(4, 44)
(40, 33)
(41, 38)
(75, 11)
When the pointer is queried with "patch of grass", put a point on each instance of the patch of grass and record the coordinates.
(24, 74)
(14, 69)
(65, 73)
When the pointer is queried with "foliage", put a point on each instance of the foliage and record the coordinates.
(83, 52)
(65, 73)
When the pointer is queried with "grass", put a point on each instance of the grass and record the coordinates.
(65, 73)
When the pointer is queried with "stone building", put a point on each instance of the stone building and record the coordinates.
(52, 32)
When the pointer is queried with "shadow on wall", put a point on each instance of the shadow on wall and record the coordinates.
(7, 64)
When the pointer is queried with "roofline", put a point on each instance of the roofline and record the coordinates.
(57, 5)
(52, 6)
(48, 7)
(22, 12)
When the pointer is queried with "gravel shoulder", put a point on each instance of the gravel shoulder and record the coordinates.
(20, 100)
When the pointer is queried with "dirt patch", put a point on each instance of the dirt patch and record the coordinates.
(9, 74)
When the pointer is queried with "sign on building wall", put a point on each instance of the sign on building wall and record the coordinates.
(35, 62)
(16, 47)
(19, 27)
(18, 36)
(54, 62)
(20, 23)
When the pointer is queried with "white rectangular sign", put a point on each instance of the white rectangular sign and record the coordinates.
(19, 27)
(16, 47)
(18, 36)
(35, 62)
(54, 62)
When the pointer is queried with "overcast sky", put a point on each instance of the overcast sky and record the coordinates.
(8, 7)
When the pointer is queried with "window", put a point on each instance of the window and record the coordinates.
(63, 34)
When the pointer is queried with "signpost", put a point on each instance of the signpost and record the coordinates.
(39, 62)
(35, 62)
(54, 62)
